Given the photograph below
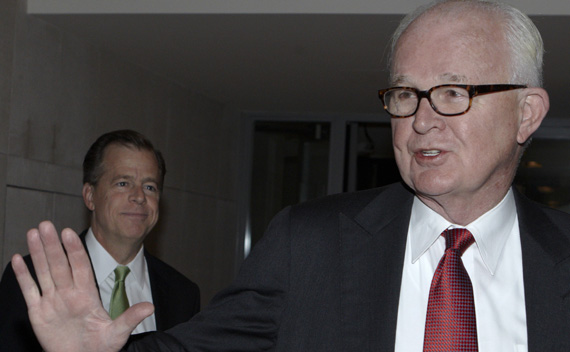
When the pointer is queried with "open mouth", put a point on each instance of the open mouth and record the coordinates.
(432, 152)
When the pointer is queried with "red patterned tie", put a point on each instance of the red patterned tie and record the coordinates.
(450, 321)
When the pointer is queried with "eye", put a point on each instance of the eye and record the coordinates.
(405, 95)
(122, 184)
(151, 188)
(455, 92)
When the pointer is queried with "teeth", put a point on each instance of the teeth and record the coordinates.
(433, 152)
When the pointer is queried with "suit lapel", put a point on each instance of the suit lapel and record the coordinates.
(372, 253)
(546, 270)
(159, 296)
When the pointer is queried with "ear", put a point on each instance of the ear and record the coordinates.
(87, 192)
(534, 106)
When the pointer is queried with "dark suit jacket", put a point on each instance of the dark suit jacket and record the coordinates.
(176, 299)
(326, 277)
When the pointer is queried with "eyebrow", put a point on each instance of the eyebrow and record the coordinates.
(398, 80)
(445, 77)
(150, 179)
(128, 177)
(452, 77)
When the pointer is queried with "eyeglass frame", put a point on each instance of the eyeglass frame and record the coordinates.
(472, 90)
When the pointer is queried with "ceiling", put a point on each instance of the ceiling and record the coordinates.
(279, 62)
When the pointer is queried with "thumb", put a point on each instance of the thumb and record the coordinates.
(128, 321)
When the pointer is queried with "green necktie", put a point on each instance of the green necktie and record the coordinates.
(119, 300)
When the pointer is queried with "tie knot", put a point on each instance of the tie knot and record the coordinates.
(459, 239)
(121, 272)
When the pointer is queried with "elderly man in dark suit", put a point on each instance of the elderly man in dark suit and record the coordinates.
(123, 175)
(454, 259)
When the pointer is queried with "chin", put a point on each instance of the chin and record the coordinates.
(135, 233)
(435, 186)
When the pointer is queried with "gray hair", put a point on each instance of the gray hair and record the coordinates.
(521, 35)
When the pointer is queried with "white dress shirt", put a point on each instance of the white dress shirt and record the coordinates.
(137, 283)
(494, 265)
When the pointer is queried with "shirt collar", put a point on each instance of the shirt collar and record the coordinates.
(104, 264)
(490, 230)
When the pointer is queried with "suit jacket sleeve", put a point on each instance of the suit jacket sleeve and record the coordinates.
(311, 284)
(245, 316)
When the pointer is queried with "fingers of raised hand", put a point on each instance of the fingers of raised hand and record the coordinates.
(49, 258)
(81, 270)
(41, 266)
(25, 280)
(68, 315)
(53, 268)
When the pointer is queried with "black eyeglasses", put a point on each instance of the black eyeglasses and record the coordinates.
(446, 99)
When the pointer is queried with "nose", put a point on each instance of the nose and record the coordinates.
(426, 118)
(137, 195)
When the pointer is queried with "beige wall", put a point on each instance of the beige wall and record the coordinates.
(58, 93)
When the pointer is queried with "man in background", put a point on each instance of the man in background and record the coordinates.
(123, 178)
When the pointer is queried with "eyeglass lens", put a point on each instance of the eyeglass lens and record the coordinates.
(446, 100)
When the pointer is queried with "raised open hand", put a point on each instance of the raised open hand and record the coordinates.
(67, 315)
